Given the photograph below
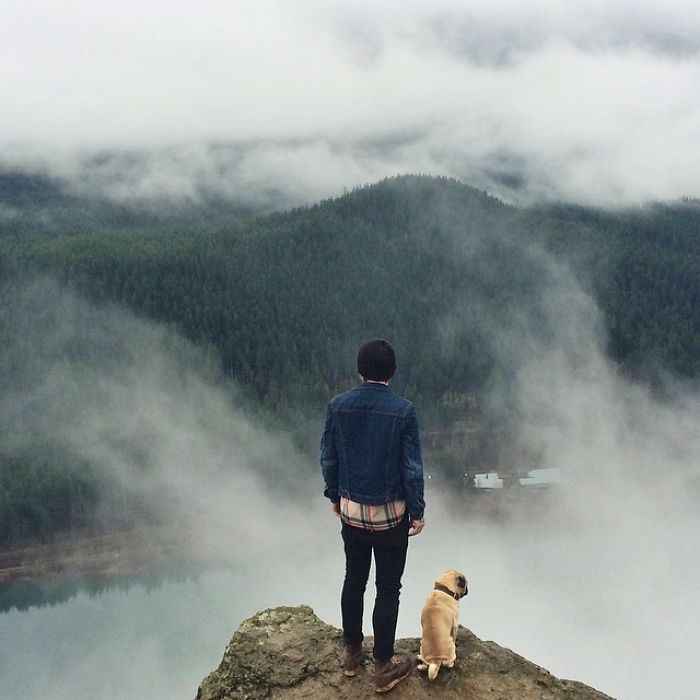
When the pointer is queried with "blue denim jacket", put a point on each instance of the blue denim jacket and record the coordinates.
(370, 449)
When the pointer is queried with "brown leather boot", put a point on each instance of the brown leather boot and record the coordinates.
(388, 674)
(352, 659)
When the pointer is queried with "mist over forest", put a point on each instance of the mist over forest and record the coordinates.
(177, 373)
(469, 289)
(171, 371)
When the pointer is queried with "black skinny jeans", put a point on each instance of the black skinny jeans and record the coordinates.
(389, 548)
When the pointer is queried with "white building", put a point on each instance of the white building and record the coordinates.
(488, 481)
(535, 477)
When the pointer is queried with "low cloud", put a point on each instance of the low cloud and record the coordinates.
(594, 581)
(593, 103)
(152, 417)
(593, 578)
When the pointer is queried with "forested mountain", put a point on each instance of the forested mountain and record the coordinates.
(286, 298)
(642, 267)
(439, 268)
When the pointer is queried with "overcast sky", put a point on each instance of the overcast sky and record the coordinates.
(591, 101)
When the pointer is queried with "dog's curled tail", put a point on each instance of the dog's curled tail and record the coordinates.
(433, 670)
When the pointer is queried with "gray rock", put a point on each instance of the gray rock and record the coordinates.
(288, 653)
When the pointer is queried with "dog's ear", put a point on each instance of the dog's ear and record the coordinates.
(461, 581)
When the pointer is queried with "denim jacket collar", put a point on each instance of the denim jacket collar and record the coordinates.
(374, 385)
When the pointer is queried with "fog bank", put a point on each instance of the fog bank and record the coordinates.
(597, 584)
(590, 102)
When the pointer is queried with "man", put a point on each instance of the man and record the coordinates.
(373, 472)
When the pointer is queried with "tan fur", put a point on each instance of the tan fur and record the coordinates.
(439, 622)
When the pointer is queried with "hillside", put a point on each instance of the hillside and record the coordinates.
(429, 262)
(465, 286)
(290, 653)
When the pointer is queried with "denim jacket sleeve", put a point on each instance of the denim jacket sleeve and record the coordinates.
(329, 459)
(412, 467)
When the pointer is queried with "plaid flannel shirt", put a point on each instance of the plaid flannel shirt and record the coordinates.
(372, 517)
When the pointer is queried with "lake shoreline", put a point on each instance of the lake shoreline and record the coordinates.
(110, 555)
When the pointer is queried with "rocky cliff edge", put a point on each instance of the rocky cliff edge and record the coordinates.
(286, 653)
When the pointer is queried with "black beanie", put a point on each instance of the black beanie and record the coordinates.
(376, 360)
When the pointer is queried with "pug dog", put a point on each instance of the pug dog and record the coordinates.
(439, 622)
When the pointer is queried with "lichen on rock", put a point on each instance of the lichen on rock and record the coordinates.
(277, 648)
(288, 653)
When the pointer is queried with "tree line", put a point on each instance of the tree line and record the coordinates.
(283, 301)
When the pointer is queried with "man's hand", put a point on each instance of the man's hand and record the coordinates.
(416, 527)
(335, 507)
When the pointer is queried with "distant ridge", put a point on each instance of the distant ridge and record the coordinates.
(463, 285)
